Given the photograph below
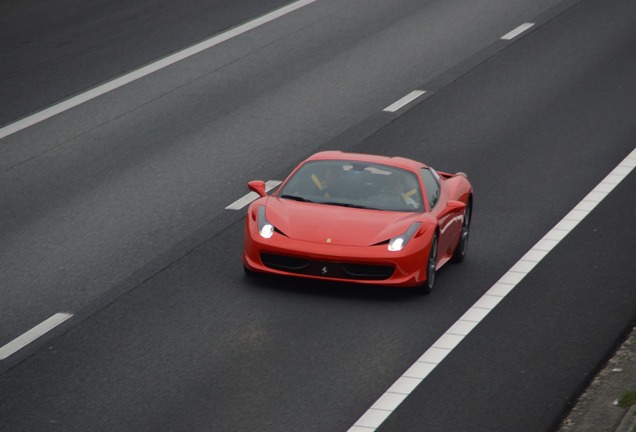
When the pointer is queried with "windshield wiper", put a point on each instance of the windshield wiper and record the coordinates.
(296, 198)
(348, 205)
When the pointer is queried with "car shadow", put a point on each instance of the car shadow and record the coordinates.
(323, 288)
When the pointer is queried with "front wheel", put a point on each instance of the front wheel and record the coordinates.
(431, 264)
(249, 272)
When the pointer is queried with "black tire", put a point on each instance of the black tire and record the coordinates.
(248, 272)
(431, 263)
(462, 245)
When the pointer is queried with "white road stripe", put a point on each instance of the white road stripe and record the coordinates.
(37, 331)
(147, 70)
(245, 200)
(405, 100)
(391, 399)
(516, 32)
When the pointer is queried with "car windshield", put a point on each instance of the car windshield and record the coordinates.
(354, 184)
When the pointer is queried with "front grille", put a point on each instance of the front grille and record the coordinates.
(365, 271)
(281, 262)
(327, 268)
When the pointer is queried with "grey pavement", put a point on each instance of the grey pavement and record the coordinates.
(597, 408)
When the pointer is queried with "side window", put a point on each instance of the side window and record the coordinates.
(431, 183)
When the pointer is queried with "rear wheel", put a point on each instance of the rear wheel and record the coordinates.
(431, 263)
(462, 245)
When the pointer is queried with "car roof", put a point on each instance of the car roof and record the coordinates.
(395, 161)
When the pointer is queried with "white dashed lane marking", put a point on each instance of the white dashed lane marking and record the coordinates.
(37, 331)
(395, 106)
(516, 32)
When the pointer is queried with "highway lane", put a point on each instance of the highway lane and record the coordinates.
(100, 197)
(53, 50)
(199, 347)
(538, 347)
(520, 368)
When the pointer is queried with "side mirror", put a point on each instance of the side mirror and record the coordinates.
(257, 186)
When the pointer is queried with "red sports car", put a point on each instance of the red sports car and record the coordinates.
(359, 218)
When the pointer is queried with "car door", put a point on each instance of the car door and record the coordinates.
(448, 214)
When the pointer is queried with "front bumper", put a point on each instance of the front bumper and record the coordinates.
(374, 265)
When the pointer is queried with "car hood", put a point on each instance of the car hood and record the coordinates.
(336, 225)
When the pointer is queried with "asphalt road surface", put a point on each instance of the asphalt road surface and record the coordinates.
(113, 211)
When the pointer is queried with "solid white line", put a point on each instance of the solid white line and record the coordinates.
(516, 32)
(391, 399)
(147, 70)
(405, 100)
(37, 331)
(251, 196)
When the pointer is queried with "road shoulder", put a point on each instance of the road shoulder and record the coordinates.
(597, 408)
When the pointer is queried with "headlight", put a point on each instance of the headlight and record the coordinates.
(265, 229)
(398, 243)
